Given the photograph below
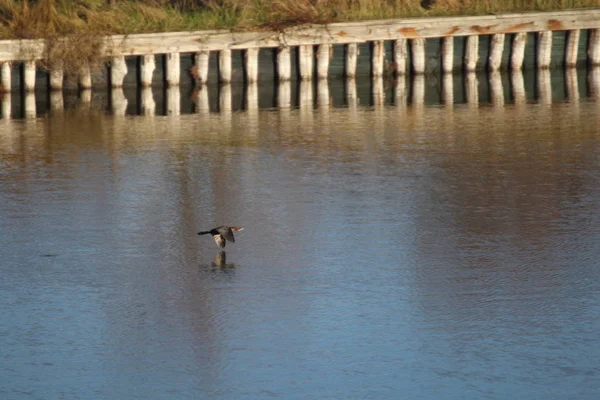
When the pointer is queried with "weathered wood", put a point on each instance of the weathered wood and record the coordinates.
(377, 58)
(29, 75)
(200, 73)
(172, 69)
(147, 67)
(56, 77)
(471, 53)
(251, 64)
(225, 66)
(518, 51)
(323, 55)
(305, 62)
(284, 64)
(544, 49)
(85, 78)
(417, 47)
(351, 59)
(118, 70)
(400, 56)
(572, 47)
(594, 47)
(496, 50)
(5, 76)
(447, 54)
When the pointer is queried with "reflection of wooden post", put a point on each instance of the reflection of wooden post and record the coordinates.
(418, 55)
(518, 51)
(418, 98)
(306, 94)
(29, 75)
(496, 50)
(594, 82)
(351, 97)
(118, 102)
(173, 100)
(323, 55)
(5, 76)
(323, 94)
(251, 61)
(30, 107)
(496, 89)
(471, 53)
(572, 85)
(544, 86)
(56, 101)
(472, 86)
(351, 58)
(147, 66)
(400, 92)
(305, 61)
(284, 64)
(518, 87)
(572, 47)
(118, 70)
(201, 59)
(225, 99)
(284, 94)
(225, 66)
(448, 89)
(377, 91)
(377, 58)
(148, 105)
(252, 98)
(6, 106)
(56, 77)
(544, 49)
(447, 54)
(594, 47)
(202, 106)
(400, 56)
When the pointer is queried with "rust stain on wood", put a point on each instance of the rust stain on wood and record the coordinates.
(520, 27)
(342, 34)
(410, 33)
(555, 25)
(452, 31)
(482, 30)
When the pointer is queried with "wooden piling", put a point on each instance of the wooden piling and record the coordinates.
(351, 59)
(518, 51)
(496, 50)
(225, 66)
(201, 59)
(284, 64)
(400, 56)
(572, 47)
(56, 77)
(447, 54)
(5, 76)
(323, 56)
(85, 78)
(305, 62)
(471, 53)
(146, 70)
(417, 47)
(172, 69)
(544, 49)
(377, 58)
(594, 47)
(251, 64)
(118, 70)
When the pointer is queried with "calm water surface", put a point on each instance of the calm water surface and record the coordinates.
(419, 253)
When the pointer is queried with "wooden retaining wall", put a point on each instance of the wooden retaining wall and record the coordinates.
(313, 44)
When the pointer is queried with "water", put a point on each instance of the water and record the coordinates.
(389, 252)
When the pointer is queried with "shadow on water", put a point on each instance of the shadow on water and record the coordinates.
(530, 85)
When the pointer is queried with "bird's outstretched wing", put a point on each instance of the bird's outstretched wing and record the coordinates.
(220, 241)
(227, 233)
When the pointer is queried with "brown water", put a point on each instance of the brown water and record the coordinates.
(420, 252)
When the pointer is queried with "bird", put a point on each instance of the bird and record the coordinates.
(222, 234)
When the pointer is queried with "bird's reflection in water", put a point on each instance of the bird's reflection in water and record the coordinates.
(220, 262)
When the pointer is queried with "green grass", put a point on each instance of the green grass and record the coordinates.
(48, 18)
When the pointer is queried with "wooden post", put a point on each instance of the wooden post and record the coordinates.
(56, 77)
(147, 66)
(496, 50)
(29, 75)
(172, 69)
(400, 56)
(118, 70)
(5, 76)
(544, 49)
(251, 62)
(594, 47)
(201, 59)
(377, 57)
(225, 66)
(351, 58)
(305, 61)
(518, 51)
(471, 53)
(447, 54)
(323, 55)
(572, 45)
(418, 55)
(284, 64)
(85, 78)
